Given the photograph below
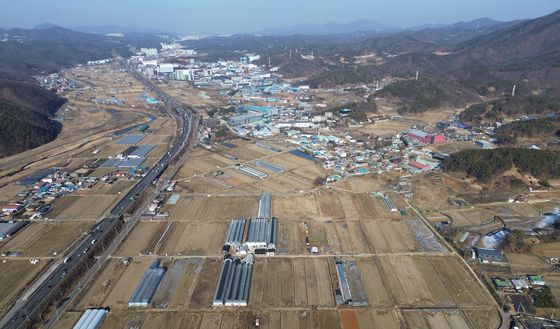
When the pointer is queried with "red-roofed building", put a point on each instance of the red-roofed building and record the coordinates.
(424, 137)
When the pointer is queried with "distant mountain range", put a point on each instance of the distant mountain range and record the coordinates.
(104, 29)
(363, 25)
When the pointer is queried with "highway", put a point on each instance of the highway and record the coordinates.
(21, 315)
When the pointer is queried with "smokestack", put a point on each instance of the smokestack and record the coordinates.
(513, 91)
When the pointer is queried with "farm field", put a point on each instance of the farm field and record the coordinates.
(15, 276)
(81, 207)
(45, 238)
(197, 208)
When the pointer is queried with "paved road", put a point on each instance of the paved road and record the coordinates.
(19, 315)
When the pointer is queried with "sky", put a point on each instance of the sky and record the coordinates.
(252, 16)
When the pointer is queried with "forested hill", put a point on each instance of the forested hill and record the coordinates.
(488, 164)
(26, 108)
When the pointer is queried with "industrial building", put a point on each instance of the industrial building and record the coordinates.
(252, 172)
(91, 319)
(424, 137)
(142, 296)
(270, 166)
(245, 119)
(234, 283)
(235, 232)
(8, 229)
(264, 205)
(261, 237)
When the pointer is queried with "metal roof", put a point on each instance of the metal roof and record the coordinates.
(131, 139)
(91, 319)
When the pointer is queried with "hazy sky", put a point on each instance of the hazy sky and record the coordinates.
(234, 16)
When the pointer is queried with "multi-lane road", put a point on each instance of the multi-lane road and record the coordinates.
(23, 314)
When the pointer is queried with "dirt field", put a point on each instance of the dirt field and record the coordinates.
(45, 238)
(420, 281)
(10, 191)
(295, 207)
(195, 239)
(191, 208)
(142, 239)
(547, 249)
(292, 282)
(470, 217)
(443, 320)
(81, 207)
(517, 209)
(15, 276)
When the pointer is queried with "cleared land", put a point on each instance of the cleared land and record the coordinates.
(15, 275)
(45, 238)
(81, 207)
(195, 208)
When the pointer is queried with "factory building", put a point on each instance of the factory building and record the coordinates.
(235, 232)
(234, 283)
(245, 119)
(91, 319)
(424, 137)
(142, 296)
(261, 237)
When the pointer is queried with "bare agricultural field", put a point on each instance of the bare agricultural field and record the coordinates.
(142, 239)
(214, 208)
(523, 210)
(551, 249)
(482, 319)
(420, 281)
(378, 319)
(289, 282)
(185, 238)
(126, 284)
(68, 320)
(205, 285)
(81, 207)
(435, 319)
(368, 183)
(295, 207)
(527, 263)
(15, 276)
(372, 207)
(10, 191)
(203, 163)
(470, 217)
(44, 238)
(286, 183)
(98, 291)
